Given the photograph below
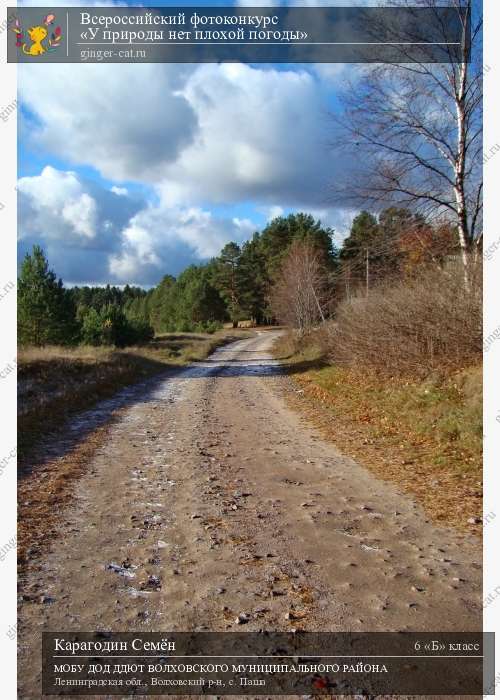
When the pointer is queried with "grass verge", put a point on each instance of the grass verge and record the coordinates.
(55, 382)
(423, 435)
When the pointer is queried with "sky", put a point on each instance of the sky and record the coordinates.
(128, 172)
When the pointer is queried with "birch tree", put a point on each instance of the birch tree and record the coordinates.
(300, 295)
(416, 133)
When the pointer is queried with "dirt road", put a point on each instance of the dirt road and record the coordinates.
(211, 499)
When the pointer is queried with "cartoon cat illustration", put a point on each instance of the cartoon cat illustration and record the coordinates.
(37, 35)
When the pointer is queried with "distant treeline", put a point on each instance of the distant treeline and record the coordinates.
(50, 314)
(236, 285)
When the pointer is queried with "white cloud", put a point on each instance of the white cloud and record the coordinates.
(93, 234)
(272, 211)
(81, 214)
(128, 121)
(58, 199)
(122, 191)
(137, 253)
(195, 136)
(339, 220)
(78, 222)
(262, 136)
(333, 73)
(218, 133)
(165, 238)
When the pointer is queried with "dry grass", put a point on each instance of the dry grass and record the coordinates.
(54, 382)
(423, 434)
(411, 326)
(176, 348)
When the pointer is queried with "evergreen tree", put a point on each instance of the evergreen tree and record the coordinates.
(254, 281)
(110, 326)
(364, 233)
(91, 326)
(194, 302)
(46, 311)
(379, 239)
(227, 280)
(279, 234)
(158, 304)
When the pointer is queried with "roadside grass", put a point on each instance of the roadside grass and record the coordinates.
(423, 434)
(55, 382)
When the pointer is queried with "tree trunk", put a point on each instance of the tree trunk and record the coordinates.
(459, 189)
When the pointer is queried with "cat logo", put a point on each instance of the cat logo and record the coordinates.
(38, 36)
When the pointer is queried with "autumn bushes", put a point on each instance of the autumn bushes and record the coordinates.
(414, 325)
(300, 295)
(396, 298)
(407, 324)
(394, 379)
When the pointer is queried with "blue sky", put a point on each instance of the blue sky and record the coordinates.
(128, 172)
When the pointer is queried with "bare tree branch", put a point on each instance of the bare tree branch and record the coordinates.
(419, 127)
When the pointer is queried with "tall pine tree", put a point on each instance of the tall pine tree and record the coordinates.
(46, 311)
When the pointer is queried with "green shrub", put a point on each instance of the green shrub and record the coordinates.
(110, 326)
